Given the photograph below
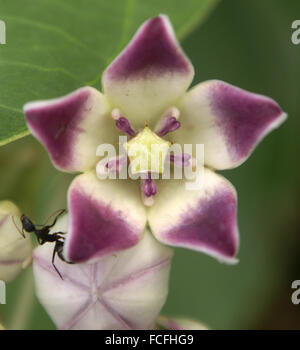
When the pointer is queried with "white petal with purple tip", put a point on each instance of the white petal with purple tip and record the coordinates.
(229, 121)
(105, 216)
(71, 127)
(149, 75)
(203, 219)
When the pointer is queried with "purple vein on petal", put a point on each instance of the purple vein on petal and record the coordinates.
(49, 268)
(136, 275)
(125, 323)
(78, 315)
(86, 308)
(11, 262)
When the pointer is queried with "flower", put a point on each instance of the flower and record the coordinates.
(15, 251)
(122, 291)
(145, 96)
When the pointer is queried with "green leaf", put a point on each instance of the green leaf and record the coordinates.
(55, 46)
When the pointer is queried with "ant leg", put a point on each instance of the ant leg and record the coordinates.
(55, 250)
(41, 241)
(60, 247)
(57, 235)
(60, 253)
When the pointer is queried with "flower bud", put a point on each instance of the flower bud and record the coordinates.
(179, 323)
(15, 250)
(120, 291)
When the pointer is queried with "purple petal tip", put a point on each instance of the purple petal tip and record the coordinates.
(152, 51)
(244, 118)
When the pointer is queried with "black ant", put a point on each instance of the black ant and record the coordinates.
(43, 236)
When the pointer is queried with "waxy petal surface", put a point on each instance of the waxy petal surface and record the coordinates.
(202, 220)
(122, 291)
(14, 249)
(149, 75)
(105, 216)
(229, 121)
(71, 127)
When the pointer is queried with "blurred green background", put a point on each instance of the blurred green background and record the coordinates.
(246, 43)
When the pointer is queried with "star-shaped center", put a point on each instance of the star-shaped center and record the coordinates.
(147, 152)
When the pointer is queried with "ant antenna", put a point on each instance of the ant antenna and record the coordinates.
(60, 211)
(21, 232)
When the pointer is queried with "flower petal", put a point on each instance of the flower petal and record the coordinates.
(71, 127)
(122, 291)
(105, 216)
(146, 286)
(229, 122)
(203, 219)
(150, 74)
(14, 249)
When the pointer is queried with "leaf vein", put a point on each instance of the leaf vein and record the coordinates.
(44, 69)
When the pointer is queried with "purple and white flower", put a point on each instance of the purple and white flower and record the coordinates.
(147, 85)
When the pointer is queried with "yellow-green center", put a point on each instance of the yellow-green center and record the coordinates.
(147, 152)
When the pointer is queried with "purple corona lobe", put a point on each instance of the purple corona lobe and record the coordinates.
(96, 229)
(153, 50)
(56, 125)
(149, 187)
(171, 124)
(243, 117)
(181, 160)
(209, 226)
(124, 125)
(116, 163)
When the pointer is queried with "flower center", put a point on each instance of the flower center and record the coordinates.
(147, 152)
